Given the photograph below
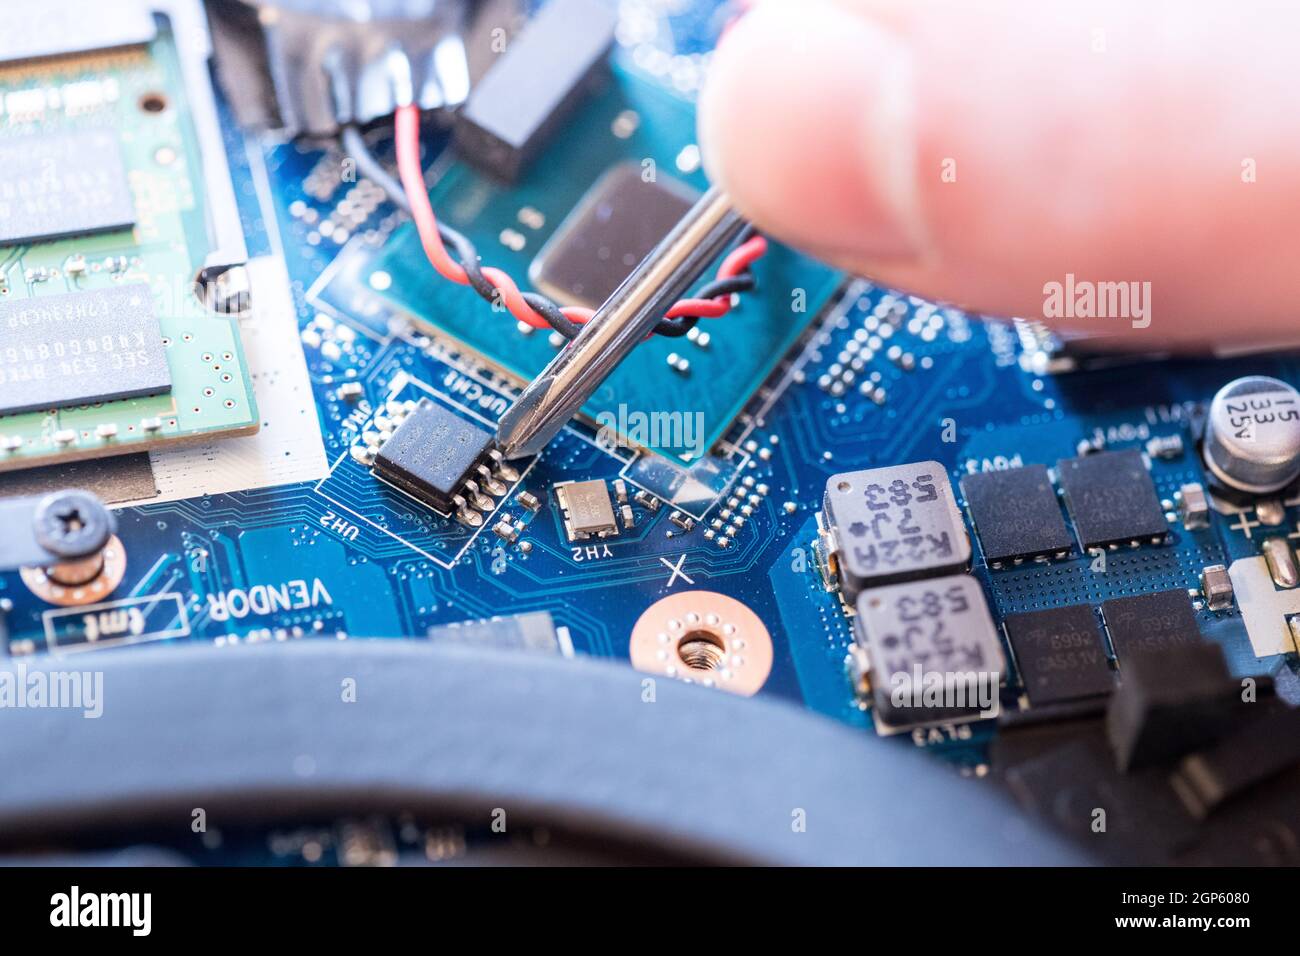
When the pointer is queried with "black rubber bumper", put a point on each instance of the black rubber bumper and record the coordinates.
(273, 731)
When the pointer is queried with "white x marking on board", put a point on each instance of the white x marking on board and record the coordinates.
(676, 570)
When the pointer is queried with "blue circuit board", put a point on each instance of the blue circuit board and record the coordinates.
(880, 378)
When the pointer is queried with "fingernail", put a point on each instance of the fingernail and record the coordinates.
(808, 120)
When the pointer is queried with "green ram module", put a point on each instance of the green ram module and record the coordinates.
(105, 228)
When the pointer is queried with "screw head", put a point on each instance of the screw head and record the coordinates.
(72, 524)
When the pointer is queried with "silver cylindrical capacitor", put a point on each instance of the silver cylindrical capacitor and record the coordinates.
(1252, 437)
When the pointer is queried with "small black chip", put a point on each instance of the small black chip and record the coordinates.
(1112, 499)
(1016, 513)
(616, 224)
(432, 453)
(62, 184)
(1155, 623)
(1060, 654)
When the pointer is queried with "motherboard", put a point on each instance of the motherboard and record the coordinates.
(232, 336)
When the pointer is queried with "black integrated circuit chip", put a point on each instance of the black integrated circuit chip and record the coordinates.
(74, 348)
(62, 184)
(1060, 654)
(432, 453)
(1016, 514)
(1161, 622)
(613, 228)
(1112, 499)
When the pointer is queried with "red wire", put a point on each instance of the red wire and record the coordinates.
(407, 134)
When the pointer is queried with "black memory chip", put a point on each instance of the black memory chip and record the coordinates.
(73, 348)
(616, 224)
(432, 454)
(1016, 513)
(1060, 654)
(1150, 623)
(62, 184)
(1111, 498)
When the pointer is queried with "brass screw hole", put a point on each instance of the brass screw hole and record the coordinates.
(701, 650)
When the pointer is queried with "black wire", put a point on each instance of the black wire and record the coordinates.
(463, 251)
(354, 145)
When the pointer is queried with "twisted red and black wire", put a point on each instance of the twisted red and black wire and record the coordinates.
(461, 264)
